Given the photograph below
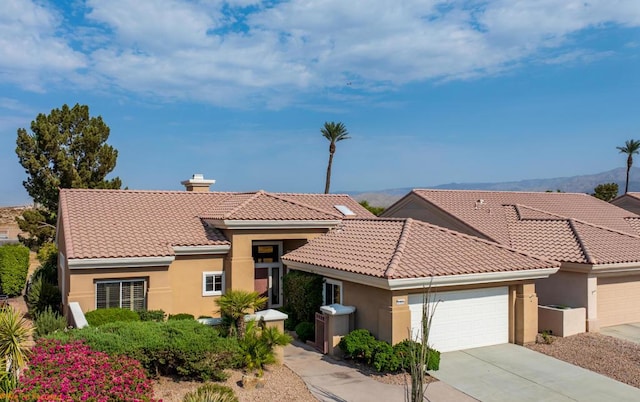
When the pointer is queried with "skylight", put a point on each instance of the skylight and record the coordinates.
(344, 210)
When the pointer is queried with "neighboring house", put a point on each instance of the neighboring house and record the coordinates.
(179, 250)
(9, 229)
(383, 267)
(597, 243)
(628, 201)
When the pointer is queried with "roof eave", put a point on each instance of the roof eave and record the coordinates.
(202, 250)
(272, 224)
(432, 281)
(119, 262)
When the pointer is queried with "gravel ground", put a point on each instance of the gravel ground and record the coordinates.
(612, 357)
(281, 384)
(386, 378)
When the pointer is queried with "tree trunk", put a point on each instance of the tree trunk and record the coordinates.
(328, 181)
(629, 164)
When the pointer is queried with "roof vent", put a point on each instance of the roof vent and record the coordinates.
(479, 203)
(344, 210)
(197, 183)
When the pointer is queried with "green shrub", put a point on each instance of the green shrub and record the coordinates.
(211, 393)
(304, 296)
(49, 321)
(384, 358)
(358, 345)
(151, 315)
(403, 351)
(103, 316)
(181, 316)
(48, 269)
(184, 348)
(14, 266)
(42, 295)
(306, 331)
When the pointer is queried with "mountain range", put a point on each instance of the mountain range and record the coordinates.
(573, 184)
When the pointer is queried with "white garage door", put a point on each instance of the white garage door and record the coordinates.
(465, 319)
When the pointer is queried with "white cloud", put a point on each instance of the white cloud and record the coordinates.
(246, 52)
(30, 48)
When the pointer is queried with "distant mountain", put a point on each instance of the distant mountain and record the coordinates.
(574, 184)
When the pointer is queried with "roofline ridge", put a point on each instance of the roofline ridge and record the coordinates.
(63, 213)
(583, 246)
(583, 222)
(492, 191)
(302, 204)
(143, 191)
(242, 204)
(478, 239)
(318, 194)
(397, 254)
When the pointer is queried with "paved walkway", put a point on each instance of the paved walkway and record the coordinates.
(628, 332)
(332, 380)
(514, 373)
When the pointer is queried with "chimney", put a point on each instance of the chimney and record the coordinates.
(197, 183)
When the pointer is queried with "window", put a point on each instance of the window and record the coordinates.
(332, 292)
(131, 294)
(212, 283)
(4, 234)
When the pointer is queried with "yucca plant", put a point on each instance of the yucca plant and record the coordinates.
(14, 337)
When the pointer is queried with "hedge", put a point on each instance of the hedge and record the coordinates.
(303, 296)
(103, 316)
(14, 266)
(184, 348)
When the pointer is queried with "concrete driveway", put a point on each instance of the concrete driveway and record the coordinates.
(513, 373)
(628, 332)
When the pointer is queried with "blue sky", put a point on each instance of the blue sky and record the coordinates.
(431, 91)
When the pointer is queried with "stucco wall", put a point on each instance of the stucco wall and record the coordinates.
(565, 288)
(372, 308)
(185, 276)
(415, 207)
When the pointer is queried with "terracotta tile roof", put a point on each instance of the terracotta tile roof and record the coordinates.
(567, 227)
(124, 223)
(406, 248)
(265, 206)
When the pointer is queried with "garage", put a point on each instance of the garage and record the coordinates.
(618, 300)
(466, 318)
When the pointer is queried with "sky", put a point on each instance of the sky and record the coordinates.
(430, 91)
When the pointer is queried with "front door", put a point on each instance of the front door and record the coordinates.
(268, 271)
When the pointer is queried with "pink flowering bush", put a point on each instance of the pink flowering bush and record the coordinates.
(75, 372)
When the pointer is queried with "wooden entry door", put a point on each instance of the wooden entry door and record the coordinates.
(268, 271)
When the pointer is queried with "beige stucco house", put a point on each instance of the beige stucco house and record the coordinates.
(596, 243)
(179, 250)
(483, 293)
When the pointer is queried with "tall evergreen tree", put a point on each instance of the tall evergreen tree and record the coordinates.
(333, 132)
(65, 149)
(630, 147)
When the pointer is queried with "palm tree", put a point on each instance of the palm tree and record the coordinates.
(630, 147)
(235, 304)
(334, 132)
